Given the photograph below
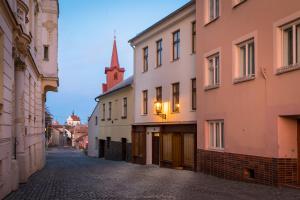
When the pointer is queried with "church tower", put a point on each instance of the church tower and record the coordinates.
(114, 73)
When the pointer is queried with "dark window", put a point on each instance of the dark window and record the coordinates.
(194, 95)
(175, 99)
(109, 110)
(159, 53)
(193, 37)
(116, 76)
(96, 120)
(46, 52)
(176, 45)
(124, 108)
(103, 112)
(145, 102)
(145, 50)
(159, 94)
(108, 139)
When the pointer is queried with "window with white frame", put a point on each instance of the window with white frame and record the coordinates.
(291, 43)
(145, 102)
(246, 59)
(213, 70)
(216, 134)
(214, 6)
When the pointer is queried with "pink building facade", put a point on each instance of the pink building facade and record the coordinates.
(248, 116)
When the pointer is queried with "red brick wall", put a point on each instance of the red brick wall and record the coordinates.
(268, 171)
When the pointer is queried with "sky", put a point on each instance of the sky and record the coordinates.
(86, 31)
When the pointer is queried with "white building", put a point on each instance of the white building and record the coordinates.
(28, 69)
(164, 130)
(73, 120)
(93, 132)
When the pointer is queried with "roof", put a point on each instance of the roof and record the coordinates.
(123, 84)
(75, 117)
(163, 20)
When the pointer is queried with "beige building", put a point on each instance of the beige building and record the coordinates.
(248, 75)
(28, 69)
(116, 106)
(164, 129)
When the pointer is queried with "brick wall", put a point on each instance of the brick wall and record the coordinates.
(255, 169)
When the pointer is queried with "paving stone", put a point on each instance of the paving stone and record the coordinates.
(70, 175)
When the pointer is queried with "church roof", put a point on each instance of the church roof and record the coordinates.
(114, 59)
(75, 117)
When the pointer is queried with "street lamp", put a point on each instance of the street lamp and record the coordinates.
(158, 108)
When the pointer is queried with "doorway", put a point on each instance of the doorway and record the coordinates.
(124, 148)
(155, 148)
(177, 150)
(101, 148)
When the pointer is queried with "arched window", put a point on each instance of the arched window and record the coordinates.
(116, 76)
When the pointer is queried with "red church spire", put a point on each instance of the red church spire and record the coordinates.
(114, 56)
(114, 73)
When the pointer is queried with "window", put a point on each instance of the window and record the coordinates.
(103, 112)
(116, 76)
(159, 94)
(176, 45)
(194, 37)
(124, 111)
(145, 65)
(214, 9)
(194, 97)
(145, 102)
(175, 97)
(246, 59)
(291, 44)
(214, 70)
(46, 52)
(159, 53)
(216, 135)
(109, 111)
(96, 143)
(96, 121)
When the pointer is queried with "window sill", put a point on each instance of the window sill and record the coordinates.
(215, 149)
(195, 110)
(211, 87)
(143, 72)
(123, 117)
(243, 79)
(157, 67)
(193, 53)
(108, 119)
(46, 60)
(288, 68)
(144, 114)
(175, 60)
(174, 113)
(211, 21)
(237, 4)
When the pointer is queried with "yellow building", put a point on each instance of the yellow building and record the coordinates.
(116, 114)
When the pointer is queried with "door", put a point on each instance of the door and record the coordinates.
(124, 149)
(298, 147)
(155, 148)
(177, 150)
(101, 148)
(188, 150)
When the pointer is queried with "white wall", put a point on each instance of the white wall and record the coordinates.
(93, 132)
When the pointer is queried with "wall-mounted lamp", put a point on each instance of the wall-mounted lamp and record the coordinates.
(158, 108)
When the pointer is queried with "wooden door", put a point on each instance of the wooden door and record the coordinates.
(298, 147)
(155, 148)
(101, 148)
(188, 150)
(124, 149)
(177, 150)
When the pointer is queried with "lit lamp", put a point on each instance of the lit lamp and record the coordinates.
(158, 109)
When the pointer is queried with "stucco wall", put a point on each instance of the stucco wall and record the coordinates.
(181, 70)
(117, 128)
(93, 132)
(250, 109)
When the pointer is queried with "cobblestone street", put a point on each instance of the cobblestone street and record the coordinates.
(71, 175)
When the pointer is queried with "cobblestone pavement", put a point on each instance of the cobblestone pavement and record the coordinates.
(71, 175)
